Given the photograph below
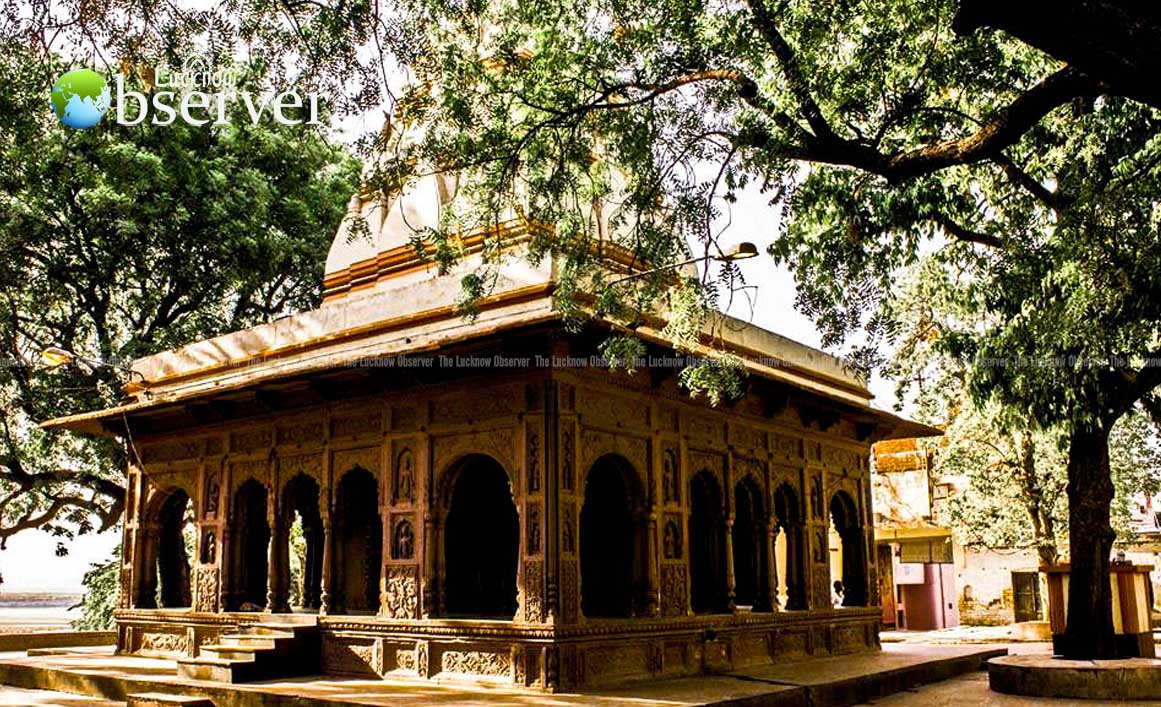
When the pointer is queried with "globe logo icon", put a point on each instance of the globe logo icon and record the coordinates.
(80, 98)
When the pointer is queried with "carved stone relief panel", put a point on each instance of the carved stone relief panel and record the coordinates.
(817, 498)
(670, 477)
(601, 408)
(404, 477)
(674, 597)
(162, 643)
(209, 547)
(569, 590)
(706, 429)
(303, 431)
(172, 450)
(352, 425)
(476, 405)
(251, 440)
(532, 529)
(843, 461)
(403, 538)
(211, 490)
(744, 437)
(567, 527)
(785, 447)
(488, 663)
(672, 545)
(568, 454)
(532, 454)
(533, 591)
(402, 600)
(206, 588)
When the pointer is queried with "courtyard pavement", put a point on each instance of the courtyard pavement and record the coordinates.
(970, 689)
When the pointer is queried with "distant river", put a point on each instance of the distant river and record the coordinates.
(36, 616)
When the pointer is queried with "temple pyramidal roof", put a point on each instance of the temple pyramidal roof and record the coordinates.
(382, 300)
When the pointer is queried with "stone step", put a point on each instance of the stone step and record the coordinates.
(218, 669)
(249, 640)
(260, 651)
(224, 652)
(160, 699)
(269, 631)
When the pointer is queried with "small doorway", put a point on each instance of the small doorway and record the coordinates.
(1026, 596)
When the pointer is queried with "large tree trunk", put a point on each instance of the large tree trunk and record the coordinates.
(1090, 537)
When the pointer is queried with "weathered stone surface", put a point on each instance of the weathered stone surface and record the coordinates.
(1046, 676)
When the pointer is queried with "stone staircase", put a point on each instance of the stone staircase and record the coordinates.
(275, 647)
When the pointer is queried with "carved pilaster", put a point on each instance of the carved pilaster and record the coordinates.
(653, 581)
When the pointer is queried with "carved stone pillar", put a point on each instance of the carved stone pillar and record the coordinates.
(652, 579)
(226, 563)
(769, 599)
(324, 598)
(430, 543)
(730, 580)
(273, 569)
(440, 571)
(146, 568)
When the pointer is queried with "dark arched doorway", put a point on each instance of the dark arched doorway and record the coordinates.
(610, 539)
(845, 520)
(707, 545)
(302, 544)
(747, 544)
(249, 544)
(481, 541)
(359, 543)
(789, 549)
(169, 541)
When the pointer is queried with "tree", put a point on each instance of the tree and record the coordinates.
(122, 241)
(1112, 40)
(873, 126)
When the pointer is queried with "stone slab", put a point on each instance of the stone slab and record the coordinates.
(1046, 676)
(839, 680)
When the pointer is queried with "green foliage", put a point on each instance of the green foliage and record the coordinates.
(102, 588)
(121, 241)
(1008, 471)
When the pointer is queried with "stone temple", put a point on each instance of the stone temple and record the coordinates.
(382, 487)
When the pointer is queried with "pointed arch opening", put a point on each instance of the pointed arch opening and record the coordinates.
(747, 532)
(849, 560)
(301, 544)
(789, 549)
(611, 539)
(249, 541)
(170, 542)
(481, 541)
(359, 543)
(707, 545)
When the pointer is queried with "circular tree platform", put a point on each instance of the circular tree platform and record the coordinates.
(1046, 676)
